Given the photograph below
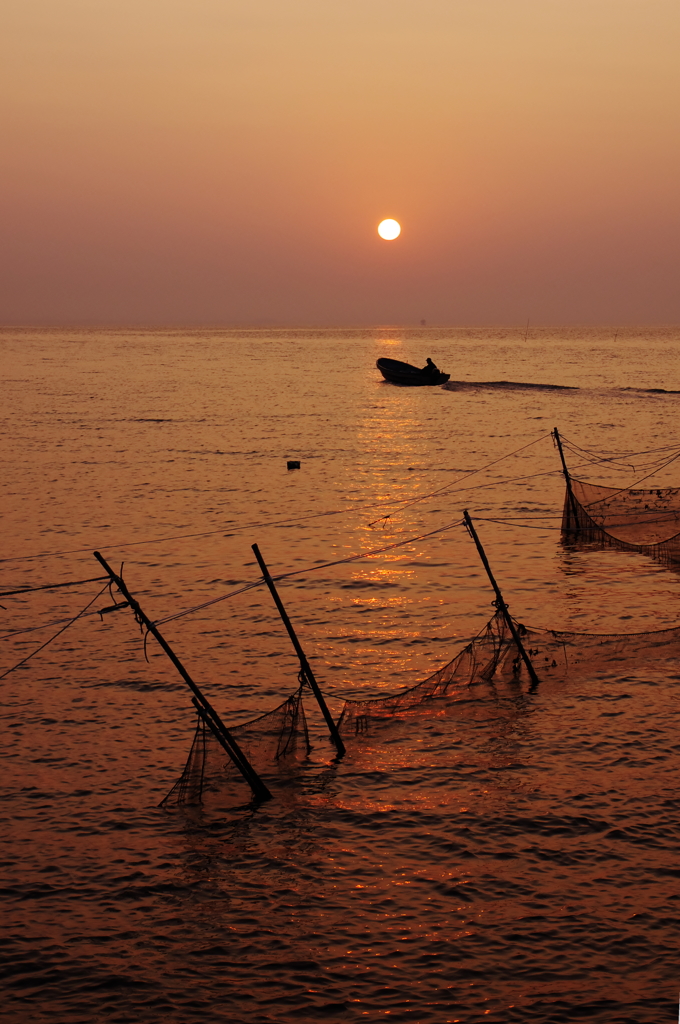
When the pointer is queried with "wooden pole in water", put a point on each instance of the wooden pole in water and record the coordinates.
(570, 494)
(227, 740)
(304, 664)
(500, 603)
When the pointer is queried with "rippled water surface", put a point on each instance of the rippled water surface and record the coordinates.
(510, 857)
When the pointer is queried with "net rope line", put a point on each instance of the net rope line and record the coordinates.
(634, 486)
(255, 583)
(512, 521)
(509, 520)
(583, 453)
(597, 457)
(52, 586)
(42, 625)
(283, 576)
(592, 458)
(518, 525)
(227, 529)
(258, 582)
(502, 521)
(514, 479)
(465, 476)
(69, 622)
(631, 459)
(287, 522)
(308, 569)
(612, 453)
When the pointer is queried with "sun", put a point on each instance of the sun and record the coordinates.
(389, 229)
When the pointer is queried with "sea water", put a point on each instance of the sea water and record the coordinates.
(511, 858)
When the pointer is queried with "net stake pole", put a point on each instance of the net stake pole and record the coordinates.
(304, 664)
(500, 603)
(570, 494)
(227, 740)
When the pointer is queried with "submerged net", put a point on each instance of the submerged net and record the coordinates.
(478, 661)
(271, 743)
(493, 657)
(274, 742)
(637, 520)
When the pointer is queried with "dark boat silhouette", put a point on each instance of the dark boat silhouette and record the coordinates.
(397, 372)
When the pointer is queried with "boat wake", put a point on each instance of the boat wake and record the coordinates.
(653, 391)
(503, 385)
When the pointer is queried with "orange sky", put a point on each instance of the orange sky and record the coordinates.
(227, 161)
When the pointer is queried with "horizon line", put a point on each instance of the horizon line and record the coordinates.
(326, 326)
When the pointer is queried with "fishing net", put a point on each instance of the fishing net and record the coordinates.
(646, 521)
(275, 742)
(272, 743)
(479, 660)
(493, 657)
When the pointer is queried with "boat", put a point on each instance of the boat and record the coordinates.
(397, 372)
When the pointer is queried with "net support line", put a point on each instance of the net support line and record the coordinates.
(305, 670)
(500, 602)
(52, 586)
(239, 759)
(69, 622)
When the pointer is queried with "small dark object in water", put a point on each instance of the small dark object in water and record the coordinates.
(405, 374)
(292, 464)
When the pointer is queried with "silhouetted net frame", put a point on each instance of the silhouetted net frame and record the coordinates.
(493, 658)
(277, 741)
(273, 742)
(629, 519)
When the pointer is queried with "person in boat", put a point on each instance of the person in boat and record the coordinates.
(430, 368)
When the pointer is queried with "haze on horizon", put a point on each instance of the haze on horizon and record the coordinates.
(228, 161)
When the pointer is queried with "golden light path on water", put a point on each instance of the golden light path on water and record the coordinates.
(509, 856)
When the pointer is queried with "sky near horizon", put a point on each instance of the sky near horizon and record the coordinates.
(228, 161)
